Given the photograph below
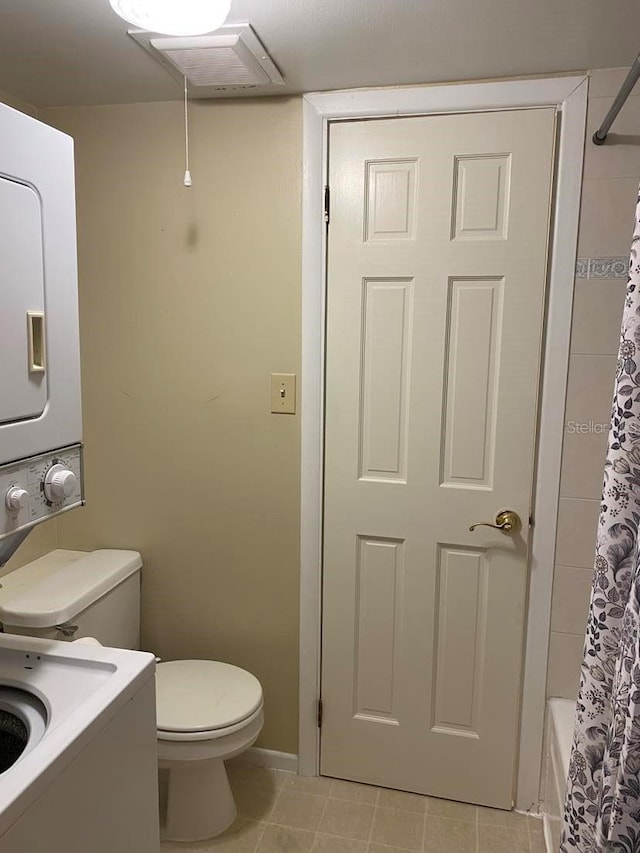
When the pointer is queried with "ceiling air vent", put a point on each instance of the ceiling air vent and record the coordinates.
(230, 60)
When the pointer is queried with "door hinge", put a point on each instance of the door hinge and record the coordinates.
(320, 713)
(327, 204)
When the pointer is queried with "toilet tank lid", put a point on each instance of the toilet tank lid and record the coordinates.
(70, 587)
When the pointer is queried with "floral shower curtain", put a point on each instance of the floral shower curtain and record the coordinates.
(602, 808)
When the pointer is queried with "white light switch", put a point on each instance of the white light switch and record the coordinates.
(283, 393)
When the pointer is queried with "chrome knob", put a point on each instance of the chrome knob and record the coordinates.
(507, 521)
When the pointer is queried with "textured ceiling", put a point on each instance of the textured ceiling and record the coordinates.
(67, 52)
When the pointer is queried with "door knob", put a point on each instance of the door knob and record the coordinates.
(506, 520)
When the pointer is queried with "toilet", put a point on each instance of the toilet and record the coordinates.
(207, 711)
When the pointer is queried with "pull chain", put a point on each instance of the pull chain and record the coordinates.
(187, 173)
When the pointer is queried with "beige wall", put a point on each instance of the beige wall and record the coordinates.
(610, 187)
(189, 298)
(17, 104)
(41, 540)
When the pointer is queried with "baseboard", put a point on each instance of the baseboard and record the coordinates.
(269, 758)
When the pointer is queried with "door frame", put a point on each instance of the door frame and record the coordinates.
(569, 95)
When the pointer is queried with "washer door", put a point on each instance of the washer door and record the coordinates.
(23, 720)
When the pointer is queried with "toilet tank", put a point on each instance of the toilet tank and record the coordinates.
(66, 595)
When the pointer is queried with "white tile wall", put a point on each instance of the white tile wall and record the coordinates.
(583, 458)
(610, 189)
(565, 656)
(618, 157)
(590, 390)
(607, 215)
(597, 308)
(587, 415)
(606, 82)
(571, 591)
(577, 524)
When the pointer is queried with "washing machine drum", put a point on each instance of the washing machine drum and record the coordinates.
(23, 720)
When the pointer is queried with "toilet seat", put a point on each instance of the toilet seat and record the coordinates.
(204, 700)
(209, 734)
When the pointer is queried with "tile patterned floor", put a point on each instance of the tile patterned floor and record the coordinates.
(280, 812)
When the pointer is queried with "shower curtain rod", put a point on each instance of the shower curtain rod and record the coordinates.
(600, 135)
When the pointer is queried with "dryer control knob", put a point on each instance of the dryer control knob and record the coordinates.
(16, 499)
(59, 483)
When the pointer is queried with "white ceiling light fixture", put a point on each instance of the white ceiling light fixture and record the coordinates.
(174, 17)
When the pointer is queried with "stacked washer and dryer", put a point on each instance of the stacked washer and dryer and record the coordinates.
(77, 732)
(206, 711)
(40, 404)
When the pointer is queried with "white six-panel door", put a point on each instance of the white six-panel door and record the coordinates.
(437, 255)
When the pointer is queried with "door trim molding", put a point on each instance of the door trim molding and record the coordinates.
(569, 95)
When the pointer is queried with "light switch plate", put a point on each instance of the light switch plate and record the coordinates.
(283, 393)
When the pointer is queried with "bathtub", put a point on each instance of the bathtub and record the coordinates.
(558, 742)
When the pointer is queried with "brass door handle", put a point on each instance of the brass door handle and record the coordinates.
(506, 520)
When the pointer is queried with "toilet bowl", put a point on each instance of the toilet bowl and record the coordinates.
(207, 711)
